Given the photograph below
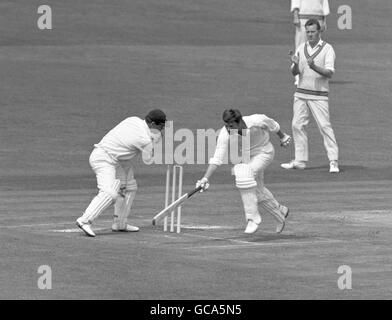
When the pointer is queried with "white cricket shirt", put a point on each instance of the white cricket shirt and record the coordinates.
(258, 127)
(129, 138)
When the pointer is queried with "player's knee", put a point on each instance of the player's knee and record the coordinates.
(325, 127)
(113, 190)
(244, 176)
(297, 126)
(131, 185)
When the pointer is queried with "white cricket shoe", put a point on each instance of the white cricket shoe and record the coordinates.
(86, 227)
(128, 228)
(253, 225)
(333, 167)
(285, 211)
(293, 164)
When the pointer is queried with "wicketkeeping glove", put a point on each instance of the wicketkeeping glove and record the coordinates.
(285, 141)
(203, 183)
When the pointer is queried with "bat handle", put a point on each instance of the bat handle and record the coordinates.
(194, 191)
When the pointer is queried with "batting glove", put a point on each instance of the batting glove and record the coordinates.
(203, 183)
(285, 141)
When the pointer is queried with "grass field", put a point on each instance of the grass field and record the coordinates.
(63, 89)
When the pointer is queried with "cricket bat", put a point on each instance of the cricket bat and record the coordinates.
(174, 205)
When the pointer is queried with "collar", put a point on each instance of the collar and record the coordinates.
(319, 44)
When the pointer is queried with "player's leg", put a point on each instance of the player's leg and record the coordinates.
(108, 187)
(300, 37)
(265, 198)
(320, 111)
(246, 184)
(123, 204)
(300, 33)
(300, 136)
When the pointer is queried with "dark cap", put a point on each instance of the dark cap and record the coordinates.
(230, 115)
(157, 116)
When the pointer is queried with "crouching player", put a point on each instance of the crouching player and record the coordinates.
(249, 177)
(111, 162)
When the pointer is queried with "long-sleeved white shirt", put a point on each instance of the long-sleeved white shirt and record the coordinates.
(128, 139)
(311, 7)
(258, 128)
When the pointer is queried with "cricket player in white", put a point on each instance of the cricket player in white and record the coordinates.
(303, 10)
(111, 162)
(249, 176)
(314, 62)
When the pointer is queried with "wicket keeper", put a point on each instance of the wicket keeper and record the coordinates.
(249, 176)
(111, 162)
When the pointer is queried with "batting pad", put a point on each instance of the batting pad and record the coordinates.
(101, 202)
(122, 209)
(98, 205)
(272, 207)
(249, 201)
(244, 176)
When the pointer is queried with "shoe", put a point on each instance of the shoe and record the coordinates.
(280, 227)
(86, 227)
(251, 227)
(285, 211)
(333, 167)
(128, 228)
(294, 165)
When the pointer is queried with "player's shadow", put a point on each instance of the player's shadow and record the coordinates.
(342, 168)
(270, 237)
(341, 82)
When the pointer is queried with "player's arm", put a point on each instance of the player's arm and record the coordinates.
(329, 68)
(294, 57)
(295, 10)
(147, 152)
(273, 126)
(217, 160)
(320, 70)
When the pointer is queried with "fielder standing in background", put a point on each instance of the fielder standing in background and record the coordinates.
(314, 62)
(249, 177)
(111, 162)
(302, 11)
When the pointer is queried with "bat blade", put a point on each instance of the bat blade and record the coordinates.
(165, 212)
(169, 209)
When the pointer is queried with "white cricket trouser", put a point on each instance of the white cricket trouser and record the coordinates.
(265, 198)
(108, 172)
(320, 112)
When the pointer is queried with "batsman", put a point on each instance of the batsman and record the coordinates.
(249, 175)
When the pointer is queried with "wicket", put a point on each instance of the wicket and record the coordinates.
(176, 169)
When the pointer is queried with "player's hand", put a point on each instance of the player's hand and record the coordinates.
(285, 140)
(203, 183)
(310, 62)
(294, 58)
